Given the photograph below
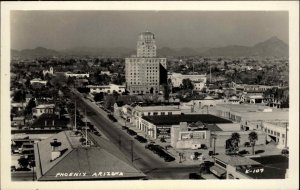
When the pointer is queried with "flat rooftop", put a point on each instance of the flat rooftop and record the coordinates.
(236, 160)
(189, 118)
(157, 108)
(250, 108)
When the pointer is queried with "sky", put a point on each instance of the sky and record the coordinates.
(175, 29)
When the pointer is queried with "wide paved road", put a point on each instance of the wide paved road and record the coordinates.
(151, 164)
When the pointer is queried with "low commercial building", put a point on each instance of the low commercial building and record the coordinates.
(158, 126)
(109, 89)
(187, 136)
(277, 132)
(244, 113)
(63, 157)
(238, 167)
(140, 111)
(43, 108)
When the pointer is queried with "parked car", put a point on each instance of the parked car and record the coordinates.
(163, 139)
(243, 152)
(169, 158)
(285, 151)
(112, 118)
(13, 168)
(195, 176)
(211, 153)
(247, 144)
(141, 139)
(131, 132)
(203, 146)
(124, 127)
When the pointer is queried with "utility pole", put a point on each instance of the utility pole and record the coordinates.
(214, 146)
(209, 72)
(86, 139)
(286, 124)
(131, 142)
(75, 117)
(32, 173)
(119, 141)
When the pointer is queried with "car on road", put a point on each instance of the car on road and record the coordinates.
(97, 133)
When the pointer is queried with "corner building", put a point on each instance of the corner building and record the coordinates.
(145, 72)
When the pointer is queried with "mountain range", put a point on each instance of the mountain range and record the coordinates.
(271, 47)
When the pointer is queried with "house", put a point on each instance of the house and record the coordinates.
(49, 72)
(18, 121)
(49, 121)
(43, 108)
(105, 73)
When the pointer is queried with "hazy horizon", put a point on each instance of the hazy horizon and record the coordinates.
(175, 29)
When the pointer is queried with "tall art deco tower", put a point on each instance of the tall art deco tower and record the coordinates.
(145, 72)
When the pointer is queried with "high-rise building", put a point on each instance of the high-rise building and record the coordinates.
(145, 72)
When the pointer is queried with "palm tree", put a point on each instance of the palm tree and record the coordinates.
(235, 139)
(252, 138)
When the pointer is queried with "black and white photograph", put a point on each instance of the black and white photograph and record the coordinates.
(109, 92)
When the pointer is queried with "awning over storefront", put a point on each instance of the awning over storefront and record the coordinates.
(218, 171)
